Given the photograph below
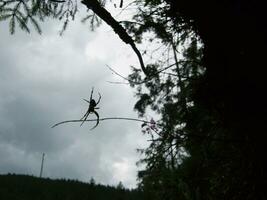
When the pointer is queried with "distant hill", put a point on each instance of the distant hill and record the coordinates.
(24, 187)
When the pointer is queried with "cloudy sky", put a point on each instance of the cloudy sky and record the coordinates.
(43, 80)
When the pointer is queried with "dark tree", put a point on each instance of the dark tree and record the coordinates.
(217, 117)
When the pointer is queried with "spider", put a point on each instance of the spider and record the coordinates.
(91, 108)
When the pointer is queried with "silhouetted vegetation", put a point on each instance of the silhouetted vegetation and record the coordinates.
(23, 187)
(209, 139)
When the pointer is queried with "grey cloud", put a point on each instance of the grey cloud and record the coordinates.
(43, 80)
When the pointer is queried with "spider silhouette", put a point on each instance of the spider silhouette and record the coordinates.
(91, 109)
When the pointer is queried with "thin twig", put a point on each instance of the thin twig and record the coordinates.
(111, 69)
(145, 80)
(102, 119)
(117, 82)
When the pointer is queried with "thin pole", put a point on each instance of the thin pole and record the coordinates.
(42, 165)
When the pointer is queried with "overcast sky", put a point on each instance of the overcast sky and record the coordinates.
(43, 80)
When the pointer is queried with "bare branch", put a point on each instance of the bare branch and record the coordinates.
(96, 7)
(102, 119)
(118, 82)
(58, 1)
(111, 69)
(145, 80)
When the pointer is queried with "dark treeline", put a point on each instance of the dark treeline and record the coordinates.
(24, 187)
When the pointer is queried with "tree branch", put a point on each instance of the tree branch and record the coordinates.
(145, 80)
(96, 7)
(102, 119)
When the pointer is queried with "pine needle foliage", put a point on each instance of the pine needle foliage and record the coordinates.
(28, 13)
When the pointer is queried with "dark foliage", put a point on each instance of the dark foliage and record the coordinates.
(20, 187)
(210, 138)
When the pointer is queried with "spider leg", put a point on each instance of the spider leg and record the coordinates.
(97, 122)
(86, 101)
(92, 91)
(85, 117)
(99, 98)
